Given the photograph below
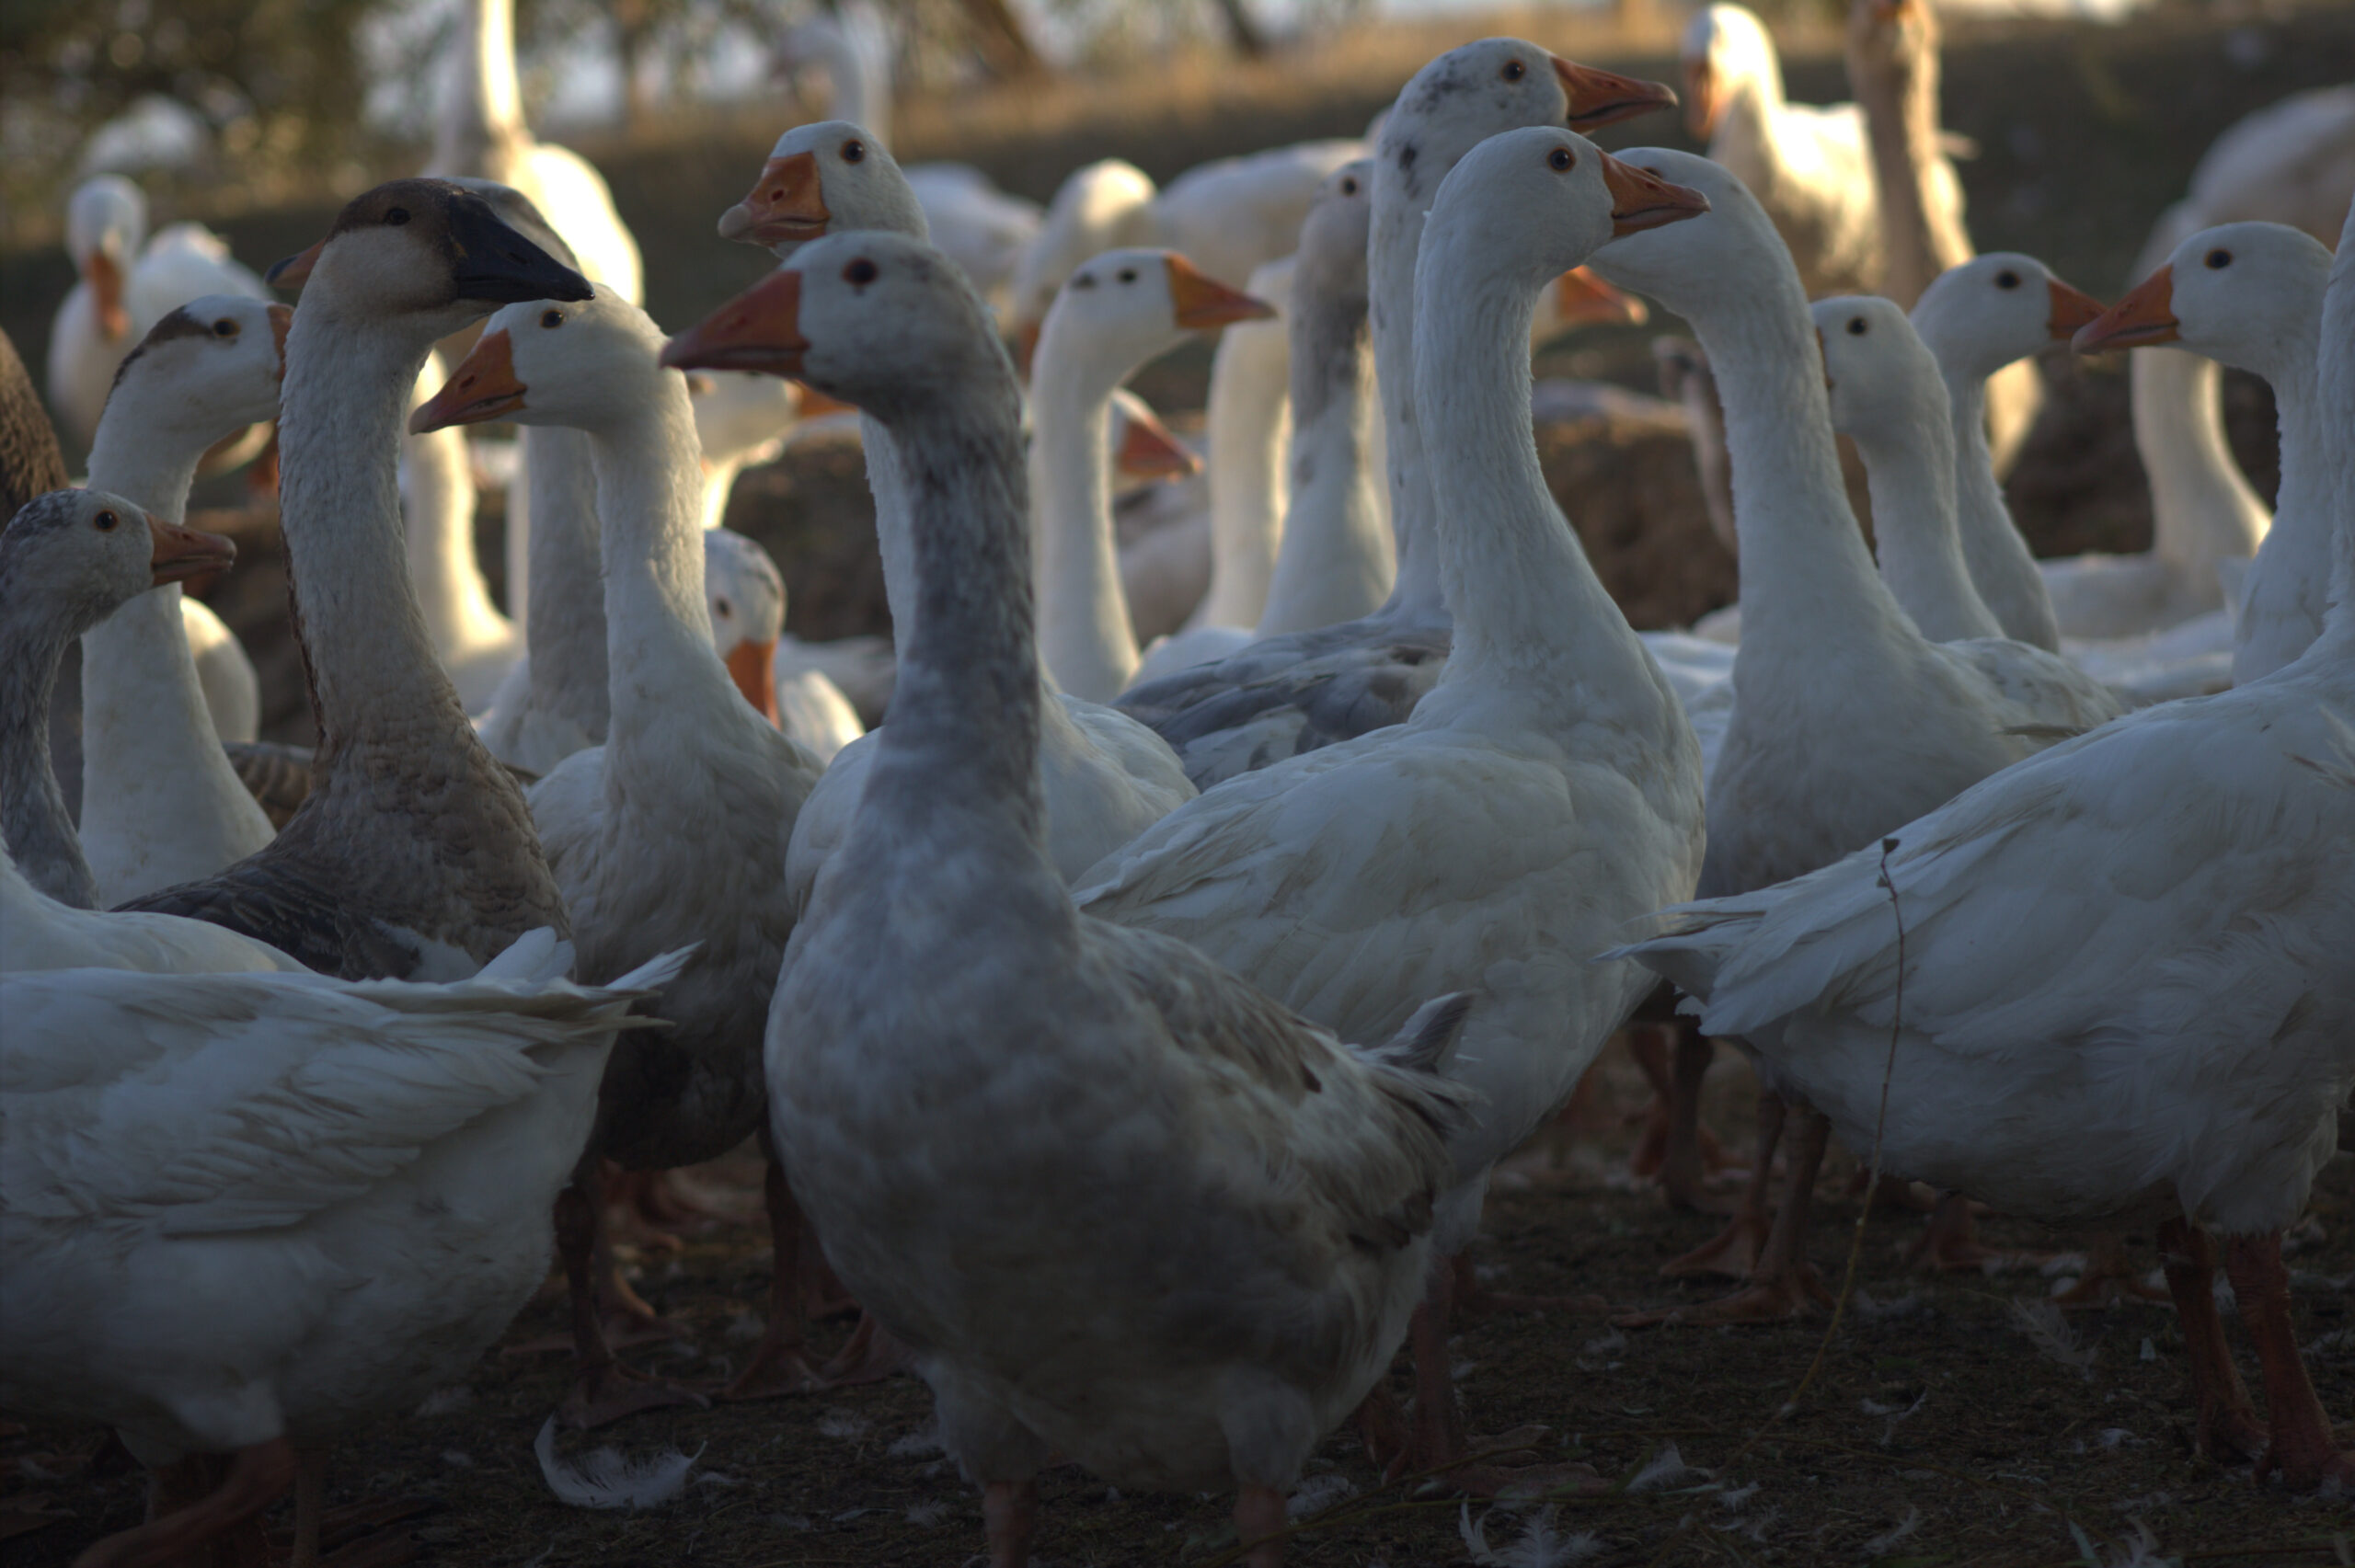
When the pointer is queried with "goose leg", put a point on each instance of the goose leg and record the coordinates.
(256, 1477)
(1692, 1150)
(2224, 1423)
(1436, 1441)
(780, 1364)
(2302, 1448)
(1010, 1514)
(2109, 1276)
(1784, 1284)
(604, 1390)
(1258, 1524)
(1734, 1250)
(1951, 1243)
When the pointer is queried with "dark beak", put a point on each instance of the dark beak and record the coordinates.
(496, 264)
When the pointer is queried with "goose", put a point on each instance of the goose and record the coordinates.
(1203, 1250)
(1106, 777)
(160, 803)
(245, 1212)
(746, 596)
(741, 420)
(413, 856)
(1829, 663)
(692, 789)
(2251, 295)
(475, 644)
(1350, 883)
(38, 933)
(2165, 904)
(1117, 312)
(1977, 317)
(548, 707)
(1811, 168)
(69, 559)
(1291, 693)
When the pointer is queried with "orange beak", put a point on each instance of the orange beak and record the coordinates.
(1202, 302)
(1641, 200)
(281, 320)
(812, 404)
(1702, 106)
(749, 664)
(183, 552)
(2142, 317)
(482, 389)
(1605, 97)
(1149, 452)
(787, 205)
(1582, 299)
(104, 276)
(295, 270)
(1026, 345)
(760, 329)
(2072, 309)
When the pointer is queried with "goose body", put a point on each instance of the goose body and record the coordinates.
(413, 855)
(1074, 1319)
(160, 803)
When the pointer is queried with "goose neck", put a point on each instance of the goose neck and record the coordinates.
(893, 541)
(150, 462)
(441, 530)
(485, 103)
(1249, 424)
(1994, 552)
(370, 663)
(1538, 643)
(1337, 557)
(1911, 476)
(567, 639)
(2201, 508)
(1417, 593)
(1085, 633)
(33, 819)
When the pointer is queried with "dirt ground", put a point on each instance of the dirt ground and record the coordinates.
(1935, 1431)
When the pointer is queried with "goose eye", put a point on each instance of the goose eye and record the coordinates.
(853, 150)
(1515, 71)
(1857, 326)
(224, 328)
(860, 272)
(105, 522)
(1083, 281)
(1561, 159)
(700, 385)
(2008, 280)
(551, 318)
(1350, 187)
(1128, 274)
(2219, 260)
(396, 216)
(721, 607)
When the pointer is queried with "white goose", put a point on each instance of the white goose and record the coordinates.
(1549, 783)
(160, 803)
(2164, 906)
(1849, 721)
(413, 855)
(240, 1213)
(692, 789)
(553, 701)
(476, 643)
(38, 933)
(2251, 295)
(68, 560)
(1203, 1252)
(746, 595)
(1106, 777)
(1291, 693)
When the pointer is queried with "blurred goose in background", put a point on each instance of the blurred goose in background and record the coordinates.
(1201, 1253)
(68, 560)
(746, 595)
(245, 1212)
(476, 643)
(413, 855)
(160, 803)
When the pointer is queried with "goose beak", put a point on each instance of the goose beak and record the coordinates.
(295, 270)
(104, 274)
(1202, 302)
(2072, 309)
(1641, 200)
(482, 389)
(281, 320)
(183, 552)
(760, 329)
(751, 665)
(1026, 345)
(1605, 97)
(1582, 299)
(787, 205)
(2142, 317)
(815, 404)
(1703, 105)
(1149, 452)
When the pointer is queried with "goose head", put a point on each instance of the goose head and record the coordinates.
(819, 179)
(880, 321)
(106, 218)
(1884, 381)
(1730, 248)
(1331, 261)
(1725, 50)
(72, 557)
(1530, 205)
(206, 371)
(746, 594)
(1980, 315)
(1125, 307)
(585, 365)
(2249, 295)
(427, 252)
(1090, 212)
(1473, 92)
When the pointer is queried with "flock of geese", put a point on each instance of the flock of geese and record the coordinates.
(1137, 1027)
